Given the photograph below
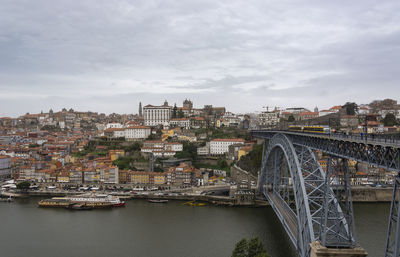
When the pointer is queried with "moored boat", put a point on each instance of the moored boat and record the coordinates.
(157, 200)
(77, 206)
(193, 203)
(89, 200)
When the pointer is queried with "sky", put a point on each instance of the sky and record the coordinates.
(107, 56)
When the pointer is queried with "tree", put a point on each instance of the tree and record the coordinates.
(241, 249)
(174, 111)
(350, 108)
(253, 248)
(181, 114)
(222, 164)
(24, 185)
(189, 151)
(291, 118)
(256, 249)
(390, 120)
(123, 162)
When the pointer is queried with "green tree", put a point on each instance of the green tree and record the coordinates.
(256, 248)
(222, 164)
(241, 249)
(181, 114)
(134, 147)
(24, 185)
(390, 120)
(291, 118)
(189, 151)
(350, 108)
(174, 111)
(253, 248)
(123, 163)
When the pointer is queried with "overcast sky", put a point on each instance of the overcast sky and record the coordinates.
(106, 56)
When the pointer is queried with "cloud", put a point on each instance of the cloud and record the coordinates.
(241, 54)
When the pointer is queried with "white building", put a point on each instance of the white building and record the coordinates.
(113, 125)
(268, 119)
(180, 122)
(137, 132)
(173, 146)
(157, 115)
(221, 146)
(114, 132)
(325, 112)
(205, 150)
(5, 167)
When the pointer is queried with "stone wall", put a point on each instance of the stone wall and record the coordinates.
(238, 175)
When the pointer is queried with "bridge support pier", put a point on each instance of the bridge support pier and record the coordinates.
(317, 250)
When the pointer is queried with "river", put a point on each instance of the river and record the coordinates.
(153, 230)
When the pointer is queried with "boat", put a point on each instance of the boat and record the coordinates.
(193, 203)
(79, 206)
(91, 200)
(157, 200)
(96, 200)
(7, 200)
(54, 203)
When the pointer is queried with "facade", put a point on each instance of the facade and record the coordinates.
(114, 132)
(157, 115)
(5, 167)
(205, 150)
(174, 146)
(137, 132)
(221, 146)
(308, 115)
(180, 122)
(268, 119)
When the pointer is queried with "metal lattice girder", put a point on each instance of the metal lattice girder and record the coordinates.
(393, 237)
(374, 152)
(291, 174)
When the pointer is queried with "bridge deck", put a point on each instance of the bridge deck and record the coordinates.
(287, 217)
(368, 139)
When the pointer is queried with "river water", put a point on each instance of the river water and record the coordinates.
(167, 230)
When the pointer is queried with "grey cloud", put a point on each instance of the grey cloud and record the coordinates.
(242, 54)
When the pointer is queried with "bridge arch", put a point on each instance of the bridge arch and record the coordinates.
(300, 194)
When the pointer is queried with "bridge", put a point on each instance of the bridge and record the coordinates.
(303, 196)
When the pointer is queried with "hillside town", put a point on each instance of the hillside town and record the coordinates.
(169, 146)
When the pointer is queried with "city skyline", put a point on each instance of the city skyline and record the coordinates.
(107, 57)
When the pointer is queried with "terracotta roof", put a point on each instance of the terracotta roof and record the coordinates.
(308, 113)
(228, 139)
(138, 127)
(114, 129)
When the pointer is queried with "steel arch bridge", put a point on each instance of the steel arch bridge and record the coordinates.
(301, 194)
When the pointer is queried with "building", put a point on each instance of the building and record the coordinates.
(173, 146)
(180, 122)
(114, 132)
(308, 115)
(157, 115)
(205, 150)
(137, 132)
(5, 167)
(268, 119)
(221, 146)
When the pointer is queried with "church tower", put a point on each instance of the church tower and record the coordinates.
(140, 109)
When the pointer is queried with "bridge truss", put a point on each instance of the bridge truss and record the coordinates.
(301, 193)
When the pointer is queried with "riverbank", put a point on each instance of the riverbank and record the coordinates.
(211, 199)
(359, 194)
